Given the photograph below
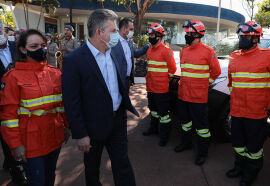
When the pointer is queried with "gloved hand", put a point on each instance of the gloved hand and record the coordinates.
(67, 134)
(19, 153)
(84, 144)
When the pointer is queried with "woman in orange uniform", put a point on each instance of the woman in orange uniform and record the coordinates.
(32, 114)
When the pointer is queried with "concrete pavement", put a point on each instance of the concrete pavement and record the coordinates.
(153, 165)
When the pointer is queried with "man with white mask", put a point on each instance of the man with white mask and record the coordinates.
(7, 59)
(126, 50)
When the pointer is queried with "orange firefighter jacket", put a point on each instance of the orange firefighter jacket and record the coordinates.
(160, 67)
(249, 83)
(199, 67)
(32, 112)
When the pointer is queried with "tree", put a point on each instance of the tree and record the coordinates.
(263, 15)
(249, 6)
(46, 5)
(7, 17)
(138, 10)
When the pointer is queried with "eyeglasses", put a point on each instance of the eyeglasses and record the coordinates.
(245, 28)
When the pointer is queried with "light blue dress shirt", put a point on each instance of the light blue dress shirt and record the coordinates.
(109, 73)
(127, 52)
(5, 56)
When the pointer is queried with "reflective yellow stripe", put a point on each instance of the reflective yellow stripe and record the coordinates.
(41, 100)
(256, 155)
(187, 126)
(195, 75)
(230, 89)
(39, 112)
(196, 67)
(170, 74)
(165, 119)
(250, 75)
(251, 85)
(205, 133)
(211, 80)
(10, 123)
(154, 114)
(157, 69)
(156, 63)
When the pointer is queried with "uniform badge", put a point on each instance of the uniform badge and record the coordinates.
(3, 84)
(170, 54)
(214, 56)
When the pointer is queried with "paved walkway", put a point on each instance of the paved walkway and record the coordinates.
(153, 165)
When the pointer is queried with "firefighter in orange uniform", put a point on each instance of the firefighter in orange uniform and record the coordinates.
(32, 113)
(249, 83)
(199, 68)
(161, 66)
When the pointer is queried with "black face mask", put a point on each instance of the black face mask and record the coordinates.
(245, 43)
(37, 55)
(153, 40)
(189, 39)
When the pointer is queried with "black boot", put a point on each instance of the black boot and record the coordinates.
(18, 174)
(238, 166)
(251, 170)
(165, 130)
(153, 129)
(186, 142)
(202, 152)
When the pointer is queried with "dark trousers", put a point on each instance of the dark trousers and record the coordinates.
(116, 145)
(194, 114)
(8, 158)
(158, 103)
(248, 136)
(40, 171)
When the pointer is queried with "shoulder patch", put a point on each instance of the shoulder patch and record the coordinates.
(214, 56)
(170, 54)
(2, 86)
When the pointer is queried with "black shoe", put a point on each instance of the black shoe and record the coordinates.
(162, 143)
(149, 132)
(182, 147)
(200, 160)
(18, 175)
(243, 183)
(233, 173)
(6, 165)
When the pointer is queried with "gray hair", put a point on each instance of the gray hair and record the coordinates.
(98, 20)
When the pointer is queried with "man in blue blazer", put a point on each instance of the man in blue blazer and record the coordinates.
(125, 50)
(96, 100)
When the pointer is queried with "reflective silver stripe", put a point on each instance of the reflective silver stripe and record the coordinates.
(154, 114)
(196, 67)
(39, 112)
(157, 69)
(250, 75)
(251, 85)
(156, 63)
(10, 123)
(41, 100)
(195, 75)
(205, 133)
(188, 126)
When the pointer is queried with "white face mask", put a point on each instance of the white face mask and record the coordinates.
(130, 34)
(11, 38)
(3, 40)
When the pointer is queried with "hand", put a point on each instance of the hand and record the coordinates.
(84, 144)
(67, 134)
(19, 153)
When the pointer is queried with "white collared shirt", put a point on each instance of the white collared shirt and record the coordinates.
(127, 53)
(109, 73)
(5, 56)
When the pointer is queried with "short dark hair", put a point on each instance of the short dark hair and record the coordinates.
(98, 20)
(21, 57)
(124, 22)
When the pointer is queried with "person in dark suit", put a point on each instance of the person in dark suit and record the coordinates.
(7, 59)
(125, 50)
(96, 100)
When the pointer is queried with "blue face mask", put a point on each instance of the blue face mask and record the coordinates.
(114, 37)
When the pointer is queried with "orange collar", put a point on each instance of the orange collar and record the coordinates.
(30, 65)
(196, 45)
(242, 52)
